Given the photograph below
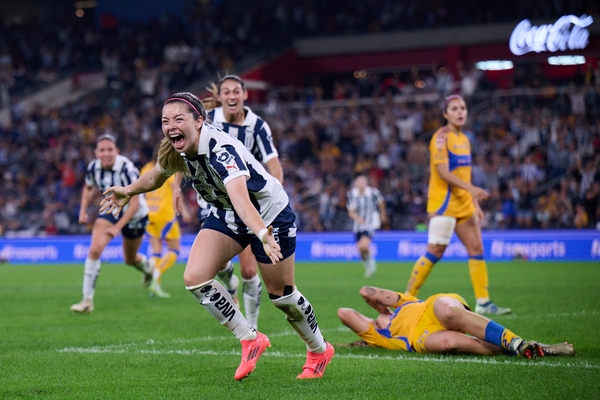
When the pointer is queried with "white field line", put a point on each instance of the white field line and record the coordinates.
(130, 349)
(449, 359)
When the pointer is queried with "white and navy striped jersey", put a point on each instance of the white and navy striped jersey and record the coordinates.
(254, 132)
(122, 173)
(366, 206)
(222, 158)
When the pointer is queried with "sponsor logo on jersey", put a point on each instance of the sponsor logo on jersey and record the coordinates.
(228, 161)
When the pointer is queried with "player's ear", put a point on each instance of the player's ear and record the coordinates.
(245, 95)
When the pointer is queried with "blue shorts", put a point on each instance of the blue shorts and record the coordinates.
(284, 231)
(133, 230)
(360, 234)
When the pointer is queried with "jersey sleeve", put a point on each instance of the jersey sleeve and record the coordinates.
(229, 164)
(264, 142)
(89, 175)
(351, 203)
(129, 174)
(438, 149)
(378, 196)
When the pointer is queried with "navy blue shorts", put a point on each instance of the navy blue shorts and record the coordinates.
(132, 230)
(284, 232)
(360, 234)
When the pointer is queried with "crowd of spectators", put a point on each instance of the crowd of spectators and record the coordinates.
(213, 35)
(538, 155)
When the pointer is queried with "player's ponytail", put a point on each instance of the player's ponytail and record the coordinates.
(170, 159)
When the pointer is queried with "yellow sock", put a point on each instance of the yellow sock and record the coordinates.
(507, 337)
(479, 278)
(420, 273)
(167, 261)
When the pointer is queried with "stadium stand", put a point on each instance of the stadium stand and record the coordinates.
(536, 140)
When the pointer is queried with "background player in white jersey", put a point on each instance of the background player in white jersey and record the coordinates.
(366, 207)
(244, 201)
(109, 169)
(227, 112)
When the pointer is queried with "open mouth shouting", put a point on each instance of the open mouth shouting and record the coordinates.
(178, 141)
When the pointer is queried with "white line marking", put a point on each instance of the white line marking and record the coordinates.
(440, 359)
(127, 348)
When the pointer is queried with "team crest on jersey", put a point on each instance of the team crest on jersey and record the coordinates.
(228, 161)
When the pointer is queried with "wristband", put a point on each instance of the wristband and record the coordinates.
(262, 233)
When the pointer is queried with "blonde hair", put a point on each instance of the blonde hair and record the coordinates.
(170, 159)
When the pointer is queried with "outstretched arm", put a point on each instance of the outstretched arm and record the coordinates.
(117, 197)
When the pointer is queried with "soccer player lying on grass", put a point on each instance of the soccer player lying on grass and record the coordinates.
(443, 323)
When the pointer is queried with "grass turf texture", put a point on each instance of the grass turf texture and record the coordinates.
(134, 347)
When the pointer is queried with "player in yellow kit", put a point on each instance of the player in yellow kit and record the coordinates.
(163, 228)
(453, 206)
(439, 324)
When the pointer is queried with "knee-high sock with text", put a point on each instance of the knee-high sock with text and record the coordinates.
(91, 270)
(251, 291)
(218, 302)
(479, 278)
(419, 273)
(301, 316)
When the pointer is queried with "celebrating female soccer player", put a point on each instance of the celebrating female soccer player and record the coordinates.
(227, 112)
(109, 169)
(453, 206)
(244, 200)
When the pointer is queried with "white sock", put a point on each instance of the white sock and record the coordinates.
(156, 274)
(144, 265)
(225, 274)
(251, 291)
(300, 315)
(91, 270)
(217, 301)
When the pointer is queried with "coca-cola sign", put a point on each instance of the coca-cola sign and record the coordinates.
(567, 33)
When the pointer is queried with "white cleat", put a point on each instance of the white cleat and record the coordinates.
(370, 270)
(85, 306)
(491, 308)
(156, 290)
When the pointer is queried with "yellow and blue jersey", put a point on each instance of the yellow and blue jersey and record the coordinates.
(160, 201)
(453, 149)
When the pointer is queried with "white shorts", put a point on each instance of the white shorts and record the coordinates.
(440, 229)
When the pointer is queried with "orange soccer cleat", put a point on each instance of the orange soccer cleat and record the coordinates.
(316, 363)
(251, 352)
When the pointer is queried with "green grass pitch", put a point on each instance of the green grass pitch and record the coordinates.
(136, 347)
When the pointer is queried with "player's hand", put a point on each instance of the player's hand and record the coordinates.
(479, 215)
(112, 231)
(186, 216)
(115, 198)
(479, 194)
(271, 247)
(83, 218)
